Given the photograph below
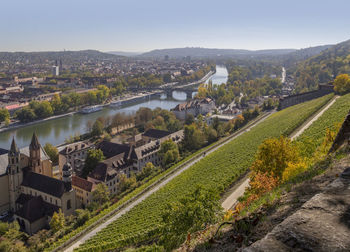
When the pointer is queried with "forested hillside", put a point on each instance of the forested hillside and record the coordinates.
(323, 67)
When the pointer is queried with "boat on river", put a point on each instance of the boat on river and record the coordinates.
(91, 109)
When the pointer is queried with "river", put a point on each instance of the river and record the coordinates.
(55, 131)
(220, 76)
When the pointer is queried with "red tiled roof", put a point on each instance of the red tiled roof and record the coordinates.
(82, 183)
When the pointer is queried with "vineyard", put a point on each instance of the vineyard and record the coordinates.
(216, 171)
(312, 137)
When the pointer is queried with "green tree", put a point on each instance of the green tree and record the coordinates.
(43, 109)
(57, 221)
(342, 84)
(4, 115)
(101, 194)
(189, 119)
(193, 138)
(56, 104)
(126, 183)
(52, 152)
(83, 216)
(25, 115)
(189, 214)
(92, 159)
(147, 171)
(169, 153)
(97, 128)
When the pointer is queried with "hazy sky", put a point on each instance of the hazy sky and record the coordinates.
(141, 25)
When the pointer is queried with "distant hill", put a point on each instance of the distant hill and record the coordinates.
(65, 56)
(197, 52)
(323, 67)
(303, 54)
(127, 54)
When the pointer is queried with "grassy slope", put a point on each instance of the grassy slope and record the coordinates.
(217, 171)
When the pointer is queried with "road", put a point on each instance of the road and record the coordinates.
(92, 232)
(231, 200)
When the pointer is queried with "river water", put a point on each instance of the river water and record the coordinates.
(220, 76)
(55, 131)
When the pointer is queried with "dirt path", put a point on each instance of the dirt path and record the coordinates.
(231, 199)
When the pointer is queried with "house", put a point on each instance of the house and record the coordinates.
(28, 189)
(74, 154)
(83, 191)
(194, 107)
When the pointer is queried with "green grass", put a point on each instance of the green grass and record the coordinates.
(216, 171)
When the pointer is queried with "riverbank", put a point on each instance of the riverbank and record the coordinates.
(56, 129)
(126, 101)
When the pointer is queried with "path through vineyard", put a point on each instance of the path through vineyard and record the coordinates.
(240, 187)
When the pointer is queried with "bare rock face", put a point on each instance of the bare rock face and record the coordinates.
(321, 224)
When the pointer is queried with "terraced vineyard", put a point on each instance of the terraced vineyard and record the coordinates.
(216, 171)
(312, 137)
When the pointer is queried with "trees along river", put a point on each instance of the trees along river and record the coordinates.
(55, 131)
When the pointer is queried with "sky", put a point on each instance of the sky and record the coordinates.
(143, 25)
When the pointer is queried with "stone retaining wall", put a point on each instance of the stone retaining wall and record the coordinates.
(323, 89)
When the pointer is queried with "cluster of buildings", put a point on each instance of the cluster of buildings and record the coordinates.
(31, 191)
(125, 159)
(28, 188)
(194, 107)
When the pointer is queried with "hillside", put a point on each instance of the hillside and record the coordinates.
(303, 54)
(323, 67)
(65, 56)
(197, 52)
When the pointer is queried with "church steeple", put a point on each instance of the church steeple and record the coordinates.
(14, 149)
(35, 155)
(34, 144)
(15, 174)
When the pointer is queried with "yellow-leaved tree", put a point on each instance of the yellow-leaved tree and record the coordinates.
(342, 84)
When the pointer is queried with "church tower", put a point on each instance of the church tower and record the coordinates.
(15, 174)
(67, 176)
(34, 155)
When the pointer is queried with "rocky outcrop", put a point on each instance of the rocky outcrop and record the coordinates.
(343, 135)
(321, 224)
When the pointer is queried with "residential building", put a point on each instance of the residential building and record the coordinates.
(74, 154)
(130, 158)
(83, 191)
(194, 107)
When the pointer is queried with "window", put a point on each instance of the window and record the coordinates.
(69, 206)
(56, 202)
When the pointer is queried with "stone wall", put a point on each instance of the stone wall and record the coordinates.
(343, 135)
(323, 89)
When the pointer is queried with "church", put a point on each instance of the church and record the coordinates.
(28, 189)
